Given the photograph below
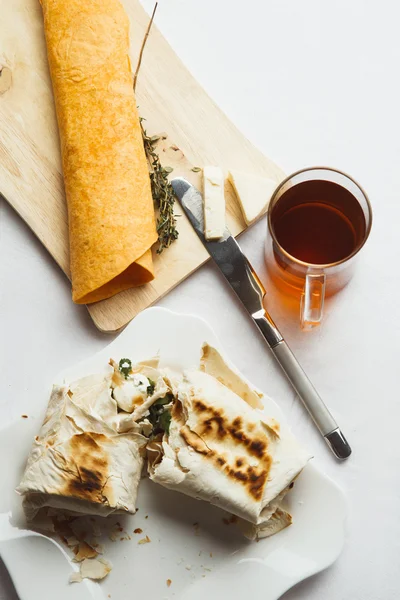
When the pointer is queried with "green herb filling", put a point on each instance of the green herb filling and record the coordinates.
(125, 367)
(160, 416)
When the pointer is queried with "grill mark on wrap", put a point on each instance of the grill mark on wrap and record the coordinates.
(88, 468)
(235, 430)
(213, 424)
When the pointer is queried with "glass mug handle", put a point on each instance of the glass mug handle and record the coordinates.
(312, 300)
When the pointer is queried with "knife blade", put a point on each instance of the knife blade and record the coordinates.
(238, 272)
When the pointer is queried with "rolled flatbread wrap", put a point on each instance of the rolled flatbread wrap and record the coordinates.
(220, 449)
(89, 454)
(107, 185)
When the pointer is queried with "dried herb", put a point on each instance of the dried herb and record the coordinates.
(196, 169)
(146, 35)
(163, 194)
(161, 189)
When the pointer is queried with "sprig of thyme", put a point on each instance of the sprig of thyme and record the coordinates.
(162, 192)
(161, 189)
(146, 35)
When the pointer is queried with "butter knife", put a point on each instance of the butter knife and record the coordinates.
(244, 281)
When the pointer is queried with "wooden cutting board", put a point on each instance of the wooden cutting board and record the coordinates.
(170, 100)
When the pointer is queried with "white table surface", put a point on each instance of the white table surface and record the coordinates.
(310, 83)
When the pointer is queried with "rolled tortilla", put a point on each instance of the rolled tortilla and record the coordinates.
(221, 450)
(88, 456)
(110, 207)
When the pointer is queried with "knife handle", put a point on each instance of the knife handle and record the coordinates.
(312, 400)
(302, 385)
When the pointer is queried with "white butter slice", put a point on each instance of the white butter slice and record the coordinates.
(253, 192)
(214, 203)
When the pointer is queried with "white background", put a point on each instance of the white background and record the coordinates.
(309, 83)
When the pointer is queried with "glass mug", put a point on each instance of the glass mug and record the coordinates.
(318, 220)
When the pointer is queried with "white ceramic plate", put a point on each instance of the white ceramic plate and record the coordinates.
(215, 562)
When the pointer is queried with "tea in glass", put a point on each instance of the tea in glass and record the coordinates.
(318, 220)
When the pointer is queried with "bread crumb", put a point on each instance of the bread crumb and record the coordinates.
(82, 551)
(145, 540)
(75, 577)
(98, 547)
(138, 530)
(169, 581)
(24, 416)
(91, 568)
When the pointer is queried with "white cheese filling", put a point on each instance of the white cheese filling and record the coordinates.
(132, 392)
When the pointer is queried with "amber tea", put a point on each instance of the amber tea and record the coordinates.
(318, 222)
